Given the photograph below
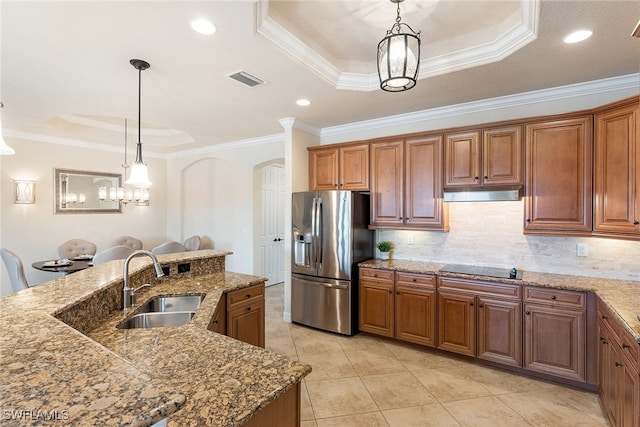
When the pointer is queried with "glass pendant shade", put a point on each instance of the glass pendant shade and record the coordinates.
(398, 61)
(139, 176)
(399, 56)
(4, 148)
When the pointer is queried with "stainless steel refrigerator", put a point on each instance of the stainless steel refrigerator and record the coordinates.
(330, 237)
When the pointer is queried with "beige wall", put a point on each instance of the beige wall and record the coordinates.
(34, 232)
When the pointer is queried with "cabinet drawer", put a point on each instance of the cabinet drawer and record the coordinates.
(495, 289)
(375, 274)
(555, 297)
(243, 295)
(411, 279)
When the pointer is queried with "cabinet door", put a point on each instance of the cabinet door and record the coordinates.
(376, 307)
(502, 156)
(558, 177)
(554, 341)
(416, 315)
(424, 207)
(617, 173)
(606, 382)
(500, 331)
(387, 177)
(457, 323)
(219, 319)
(462, 159)
(323, 169)
(246, 323)
(629, 381)
(354, 168)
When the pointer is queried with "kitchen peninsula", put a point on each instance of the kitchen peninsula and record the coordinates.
(62, 357)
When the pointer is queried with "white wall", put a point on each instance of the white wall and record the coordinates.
(490, 234)
(34, 232)
(212, 195)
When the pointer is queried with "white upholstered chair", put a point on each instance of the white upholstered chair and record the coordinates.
(132, 242)
(192, 243)
(168, 248)
(76, 247)
(15, 269)
(114, 252)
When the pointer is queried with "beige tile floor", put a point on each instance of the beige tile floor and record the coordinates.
(368, 381)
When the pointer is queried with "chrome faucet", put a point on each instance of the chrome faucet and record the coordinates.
(129, 294)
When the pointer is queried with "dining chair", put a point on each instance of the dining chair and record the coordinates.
(114, 252)
(192, 243)
(16, 270)
(168, 248)
(132, 242)
(76, 247)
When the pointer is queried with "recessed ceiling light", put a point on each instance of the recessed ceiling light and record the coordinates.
(303, 102)
(578, 36)
(203, 26)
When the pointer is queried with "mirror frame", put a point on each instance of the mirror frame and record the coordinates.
(60, 187)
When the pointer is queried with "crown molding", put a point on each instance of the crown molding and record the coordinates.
(517, 37)
(629, 81)
(233, 145)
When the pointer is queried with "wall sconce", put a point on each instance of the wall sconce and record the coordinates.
(24, 192)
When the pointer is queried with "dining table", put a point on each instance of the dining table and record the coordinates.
(62, 266)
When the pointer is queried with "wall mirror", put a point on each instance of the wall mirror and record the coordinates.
(77, 191)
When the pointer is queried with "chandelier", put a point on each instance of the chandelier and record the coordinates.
(399, 56)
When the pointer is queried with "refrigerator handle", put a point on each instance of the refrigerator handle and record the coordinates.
(319, 242)
(314, 233)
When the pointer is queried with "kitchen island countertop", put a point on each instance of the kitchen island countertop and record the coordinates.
(95, 374)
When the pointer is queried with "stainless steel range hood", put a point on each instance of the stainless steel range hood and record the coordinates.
(483, 195)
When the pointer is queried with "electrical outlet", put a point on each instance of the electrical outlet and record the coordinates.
(582, 249)
(410, 239)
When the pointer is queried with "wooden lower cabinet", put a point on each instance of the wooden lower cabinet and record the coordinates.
(618, 367)
(282, 412)
(555, 332)
(240, 315)
(480, 319)
(457, 323)
(398, 305)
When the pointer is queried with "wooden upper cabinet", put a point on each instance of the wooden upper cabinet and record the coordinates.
(617, 172)
(502, 156)
(339, 168)
(558, 174)
(491, 157)
(462, 159)
(406, 184)
(424, 206)
(387, 183)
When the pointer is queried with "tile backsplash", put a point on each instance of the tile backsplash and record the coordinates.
(490, 234)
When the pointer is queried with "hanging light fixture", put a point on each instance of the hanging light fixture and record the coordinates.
(399, 56)
(4, 148)
(139, 174)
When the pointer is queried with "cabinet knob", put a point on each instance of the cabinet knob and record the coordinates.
(248, 308)
(390, 292)
(527, 313)
(553, 297)
(480, 305)
(603, 340)
(475, 178)
(414, 279)
(618, 364)
(528, 220)
(604, 317)
(406, 218)
(626, 346)
(486, 177)
(471, 304)
(398, 293)
(248, 295)
(636, 222)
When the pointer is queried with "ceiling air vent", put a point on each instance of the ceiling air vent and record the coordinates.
(245, 78)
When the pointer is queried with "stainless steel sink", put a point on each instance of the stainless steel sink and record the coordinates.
(172, 303)
(157, 320)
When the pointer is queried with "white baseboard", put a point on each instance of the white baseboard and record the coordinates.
(286, 317)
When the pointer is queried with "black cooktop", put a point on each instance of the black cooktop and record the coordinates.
(502, 273)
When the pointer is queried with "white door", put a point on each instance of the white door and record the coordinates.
(271, 236)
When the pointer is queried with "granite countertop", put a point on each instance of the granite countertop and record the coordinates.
(95, 374)
(621, 296)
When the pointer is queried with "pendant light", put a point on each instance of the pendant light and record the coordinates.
(399, 56)
(4, 148)
(139, 174)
